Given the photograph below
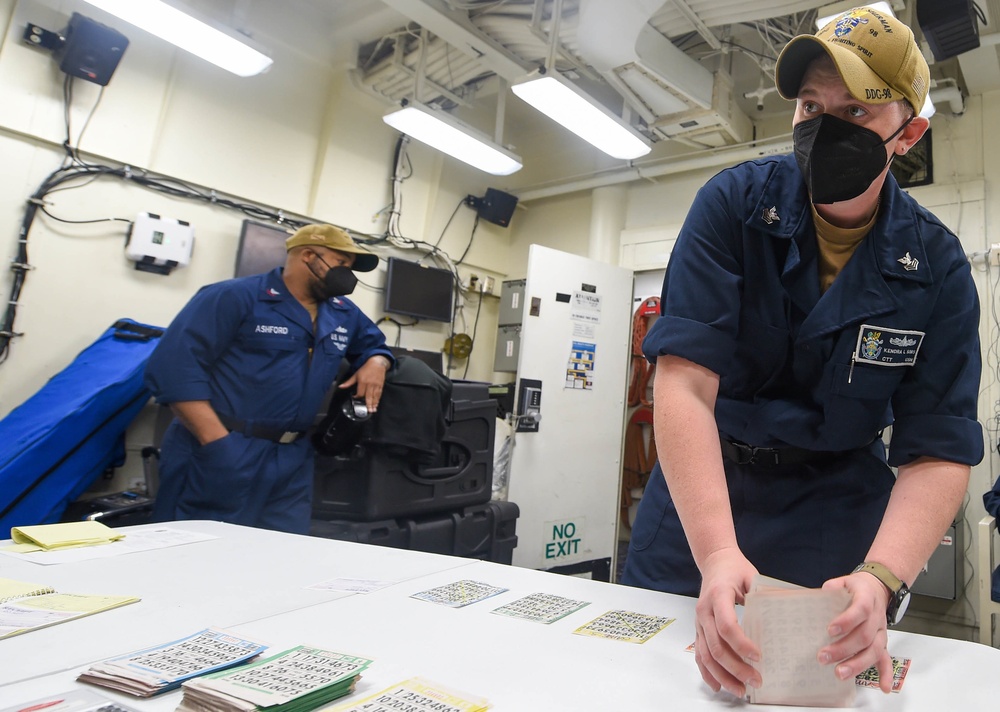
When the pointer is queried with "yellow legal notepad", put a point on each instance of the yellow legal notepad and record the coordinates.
(9, 588)
(64, 535)
(42, 609)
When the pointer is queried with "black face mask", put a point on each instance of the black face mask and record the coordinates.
(839, 160)
(337, 282)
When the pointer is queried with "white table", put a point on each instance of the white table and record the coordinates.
(243, 575)
(251, 582)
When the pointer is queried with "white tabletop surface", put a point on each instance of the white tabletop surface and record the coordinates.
(242, 575)
(252, 583)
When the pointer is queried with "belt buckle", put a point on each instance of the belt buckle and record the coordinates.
(287, 437)
(746, 454)
(752, 455)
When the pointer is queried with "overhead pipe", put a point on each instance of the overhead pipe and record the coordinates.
(679, 164)
(950, 95)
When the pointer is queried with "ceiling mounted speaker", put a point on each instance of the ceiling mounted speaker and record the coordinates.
(496, 206)
(90, 50)
(949, 26)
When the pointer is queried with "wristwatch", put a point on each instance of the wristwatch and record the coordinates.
(899, 592)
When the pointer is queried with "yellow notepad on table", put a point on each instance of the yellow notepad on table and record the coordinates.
(46, 607)
(64, 535)
(9, 588)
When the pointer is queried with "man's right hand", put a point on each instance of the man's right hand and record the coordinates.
(201, 420)
(720, 644)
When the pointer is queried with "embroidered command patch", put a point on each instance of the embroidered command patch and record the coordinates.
(887, 347)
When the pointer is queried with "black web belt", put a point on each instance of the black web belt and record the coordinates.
(743, 454)
(259, 431)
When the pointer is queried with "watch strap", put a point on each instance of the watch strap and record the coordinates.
(883, 574)
(899, 593)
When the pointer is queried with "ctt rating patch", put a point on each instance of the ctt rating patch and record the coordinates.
(887, 347)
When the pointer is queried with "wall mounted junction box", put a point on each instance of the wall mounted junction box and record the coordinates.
(159, 244)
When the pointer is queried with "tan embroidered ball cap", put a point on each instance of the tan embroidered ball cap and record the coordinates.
(876, 55)
(336, 239)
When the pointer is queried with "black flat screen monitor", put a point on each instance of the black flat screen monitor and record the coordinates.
(261, 249)
(418, 291)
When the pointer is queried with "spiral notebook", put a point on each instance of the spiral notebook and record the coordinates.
(11, 589)
(29, 606)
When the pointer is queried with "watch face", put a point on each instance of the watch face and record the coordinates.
(903, 601)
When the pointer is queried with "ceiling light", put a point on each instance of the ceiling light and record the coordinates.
(188, 33)
(444, 132)
(829, 12)
(562, 101)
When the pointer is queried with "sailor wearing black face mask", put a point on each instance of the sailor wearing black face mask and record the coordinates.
(338, 281)
(808, 304)
(244, 367)
(840, 159)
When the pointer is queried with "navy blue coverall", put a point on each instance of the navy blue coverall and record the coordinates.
(893, 341)
(248, 347)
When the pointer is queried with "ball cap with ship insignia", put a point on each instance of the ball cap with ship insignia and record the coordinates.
(876, 55)
(336, 239)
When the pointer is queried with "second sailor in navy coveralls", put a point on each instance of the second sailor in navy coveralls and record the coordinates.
(808, 304)
(245, 366)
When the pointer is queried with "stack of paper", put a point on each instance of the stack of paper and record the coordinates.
(416, 695)
(164, 667)
(49, 537)
(789, 624)
(302, 678)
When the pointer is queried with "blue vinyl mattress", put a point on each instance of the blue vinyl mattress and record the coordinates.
(55, 444)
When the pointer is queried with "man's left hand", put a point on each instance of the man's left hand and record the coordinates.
(369, 380)
(859, 633)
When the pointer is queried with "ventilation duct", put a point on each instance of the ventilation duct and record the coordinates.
(674, 94)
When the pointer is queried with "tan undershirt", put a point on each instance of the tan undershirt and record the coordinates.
(836, 245)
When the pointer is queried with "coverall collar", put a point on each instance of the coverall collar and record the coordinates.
(276, 292)
(893, 250)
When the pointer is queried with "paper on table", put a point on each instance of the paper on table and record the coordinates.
(137, 540)
(789, 624)
(418, 695)
(63, 535)
(302, 678)
(164, 667)
(10, 589)
(351, 585)
(34, 612)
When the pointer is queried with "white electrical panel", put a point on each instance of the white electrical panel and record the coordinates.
(158, 244)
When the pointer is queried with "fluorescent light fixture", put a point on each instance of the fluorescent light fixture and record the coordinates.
(829, 12)
(562, 101)
(188, 33)
(444, 132)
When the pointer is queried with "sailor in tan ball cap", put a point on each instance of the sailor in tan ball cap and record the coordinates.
(245, 367)
(809, 304)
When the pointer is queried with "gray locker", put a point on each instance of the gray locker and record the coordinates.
(507, 349)
(511, 302)
(939, 580)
